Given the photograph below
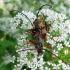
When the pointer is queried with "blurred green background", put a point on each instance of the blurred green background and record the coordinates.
(8, 40)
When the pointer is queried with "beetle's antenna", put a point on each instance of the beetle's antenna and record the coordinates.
(42, 7)
(24, 50)
(24, 15)
(55, 55)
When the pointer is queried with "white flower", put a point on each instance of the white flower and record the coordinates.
(46, 68)
(12, 59)
(59, 46)
(55, 52)
(49, 63)
(55, 66)
(60, 61)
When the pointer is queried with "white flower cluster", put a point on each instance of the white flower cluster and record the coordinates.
(58, 38)
(57, 66)
(5, 24)
(26, 60)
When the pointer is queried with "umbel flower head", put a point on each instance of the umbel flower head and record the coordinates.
(58, 38)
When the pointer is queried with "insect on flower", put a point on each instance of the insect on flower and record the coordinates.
(39, 33)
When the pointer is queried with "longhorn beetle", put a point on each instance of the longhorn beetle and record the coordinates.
(39, 33)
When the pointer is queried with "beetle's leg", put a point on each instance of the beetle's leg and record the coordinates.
(49, 47)
(50, 37)
(31, 42)
(47, 26)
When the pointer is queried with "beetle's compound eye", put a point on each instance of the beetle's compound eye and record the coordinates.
(36, 21)
(33, 31)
